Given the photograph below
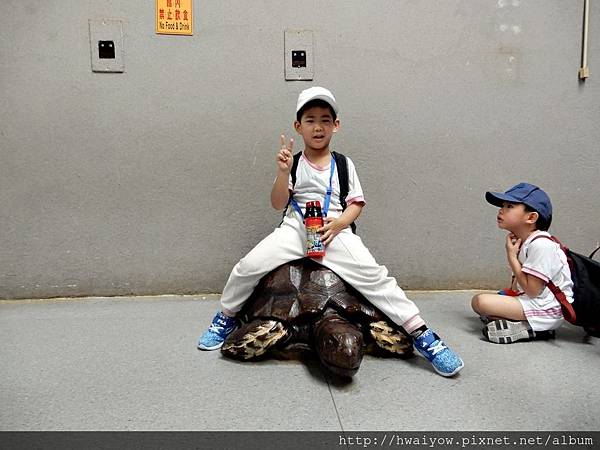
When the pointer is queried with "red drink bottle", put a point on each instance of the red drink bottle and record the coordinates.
(313, 220)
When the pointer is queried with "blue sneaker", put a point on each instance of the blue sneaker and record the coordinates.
(444, 361)
(220, 327)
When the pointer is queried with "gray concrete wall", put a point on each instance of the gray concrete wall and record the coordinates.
(157, 180)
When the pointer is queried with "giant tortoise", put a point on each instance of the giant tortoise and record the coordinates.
(304, 303)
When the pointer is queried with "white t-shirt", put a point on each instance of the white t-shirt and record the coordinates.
(312, 182)
(544, 259)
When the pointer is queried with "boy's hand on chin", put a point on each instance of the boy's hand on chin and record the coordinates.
(513, 244)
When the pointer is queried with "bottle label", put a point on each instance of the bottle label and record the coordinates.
(314, 246)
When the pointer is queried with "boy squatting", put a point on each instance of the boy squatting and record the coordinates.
(528, 310)
(316, 121)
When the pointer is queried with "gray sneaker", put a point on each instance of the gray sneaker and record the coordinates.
(504, 331)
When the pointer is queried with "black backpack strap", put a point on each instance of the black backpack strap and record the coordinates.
(342, 166)
(293, 173)
(295, 167)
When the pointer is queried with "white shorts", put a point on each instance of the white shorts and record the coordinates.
(542, 313)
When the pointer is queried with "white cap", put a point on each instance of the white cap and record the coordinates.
(316, 93)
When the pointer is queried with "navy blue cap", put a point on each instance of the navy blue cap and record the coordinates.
(527, 194)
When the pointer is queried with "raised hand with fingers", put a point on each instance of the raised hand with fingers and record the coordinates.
(284, 156)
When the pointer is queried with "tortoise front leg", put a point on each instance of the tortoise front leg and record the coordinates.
(253, 339)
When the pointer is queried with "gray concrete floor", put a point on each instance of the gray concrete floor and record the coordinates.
(132, 364)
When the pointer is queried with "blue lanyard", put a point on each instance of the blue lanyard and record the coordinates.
(327, 195)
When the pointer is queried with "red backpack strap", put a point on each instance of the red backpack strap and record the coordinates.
(567, 308)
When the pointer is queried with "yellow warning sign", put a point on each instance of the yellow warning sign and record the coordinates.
(174, 17)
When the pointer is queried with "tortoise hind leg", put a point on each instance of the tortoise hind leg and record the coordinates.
(253, 339)
(390, 339)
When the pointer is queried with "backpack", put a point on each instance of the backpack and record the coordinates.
(585, 273)
(342, 171)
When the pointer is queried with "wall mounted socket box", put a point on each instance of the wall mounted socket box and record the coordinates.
(299, 55)
(106, 45)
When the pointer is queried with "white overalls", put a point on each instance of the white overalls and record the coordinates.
(346, 254)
